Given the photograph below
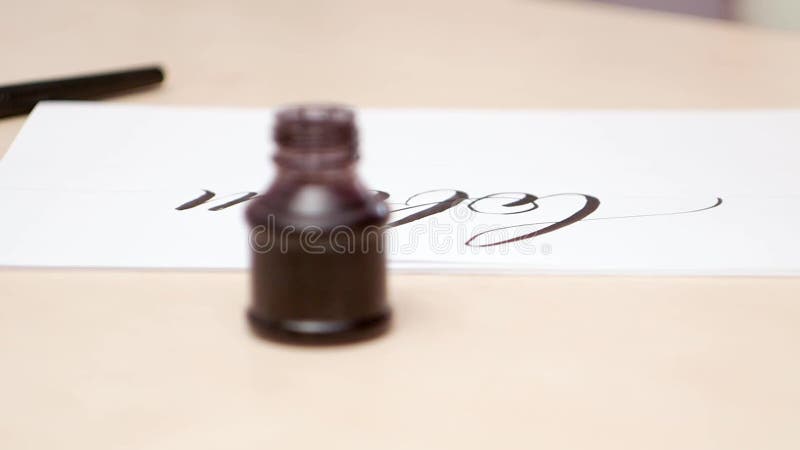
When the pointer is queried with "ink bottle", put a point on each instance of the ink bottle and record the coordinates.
(318, 263)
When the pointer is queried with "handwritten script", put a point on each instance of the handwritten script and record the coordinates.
(500, 203)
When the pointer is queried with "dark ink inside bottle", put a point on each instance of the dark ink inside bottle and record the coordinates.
(316, 236)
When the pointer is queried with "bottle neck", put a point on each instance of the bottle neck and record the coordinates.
(316, 175)
(318, 163)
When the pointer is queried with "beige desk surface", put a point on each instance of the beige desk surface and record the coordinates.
(162, 360)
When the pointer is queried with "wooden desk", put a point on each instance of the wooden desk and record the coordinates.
(162, 360)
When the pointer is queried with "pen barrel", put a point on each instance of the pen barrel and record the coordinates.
(21, 98)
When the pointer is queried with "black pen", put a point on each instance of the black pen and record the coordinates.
(21, 98)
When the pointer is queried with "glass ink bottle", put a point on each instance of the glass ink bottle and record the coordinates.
(318, 265)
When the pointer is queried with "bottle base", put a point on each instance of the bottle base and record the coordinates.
(319, 332)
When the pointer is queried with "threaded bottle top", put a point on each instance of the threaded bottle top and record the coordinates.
(315, 137)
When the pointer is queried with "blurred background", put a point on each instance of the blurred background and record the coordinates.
(771, 13)
(420, 53)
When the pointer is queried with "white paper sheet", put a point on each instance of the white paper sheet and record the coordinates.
(96, 185)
